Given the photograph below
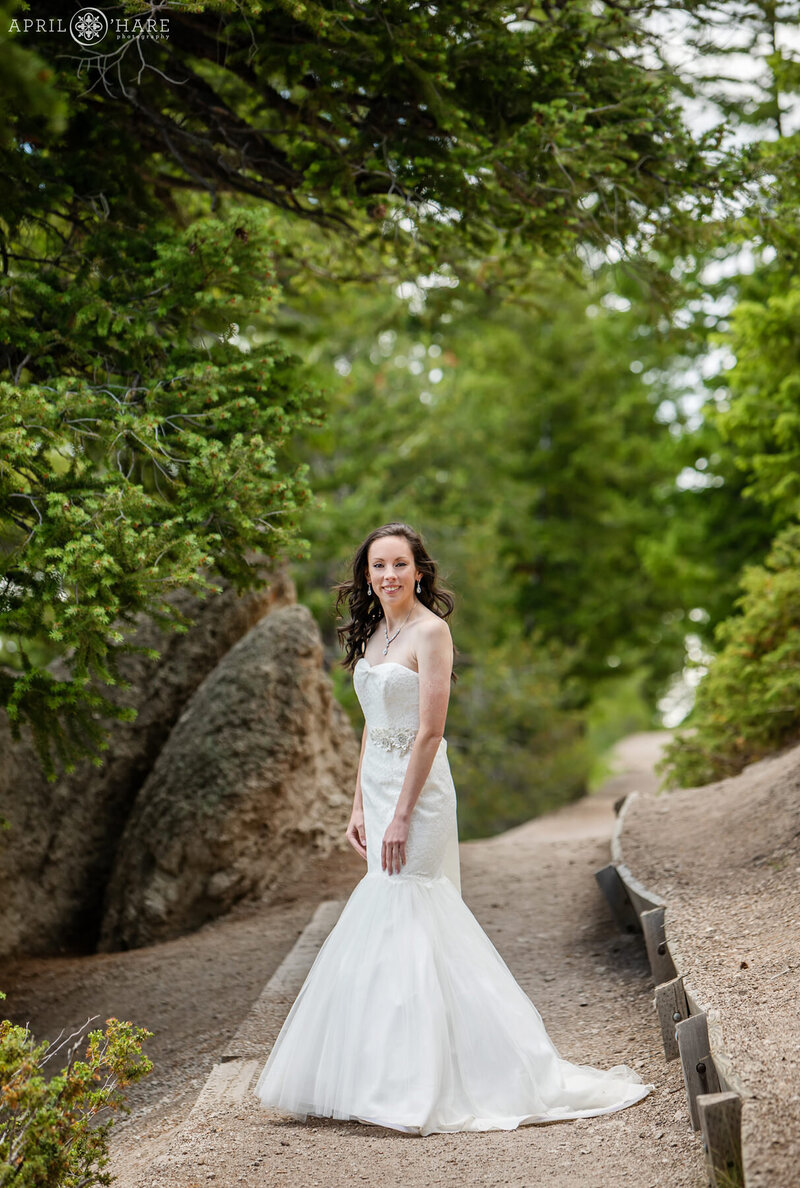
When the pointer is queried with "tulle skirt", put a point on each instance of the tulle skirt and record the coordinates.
(409, 1018)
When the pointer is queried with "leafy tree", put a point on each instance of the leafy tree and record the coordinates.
(748, 703)
(713, 524)
(745, 705)
(412, 132)
(536, 431)
(548, 125)
(520, 440)
(762, 421)
(709, 530)
(757, 101)
(142, 448)
(517, 749)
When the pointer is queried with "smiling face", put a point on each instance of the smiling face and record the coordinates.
(391, 570)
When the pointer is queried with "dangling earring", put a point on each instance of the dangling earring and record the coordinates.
(419, 588)
(369, 589)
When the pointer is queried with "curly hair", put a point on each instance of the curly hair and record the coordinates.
(365, 609)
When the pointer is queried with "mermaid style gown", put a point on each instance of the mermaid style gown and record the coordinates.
(409, 1017)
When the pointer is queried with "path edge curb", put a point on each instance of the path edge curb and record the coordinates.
(699, 1026)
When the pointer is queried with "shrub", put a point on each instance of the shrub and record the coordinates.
(54, 1129)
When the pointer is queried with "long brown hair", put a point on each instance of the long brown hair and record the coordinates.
(365, 609)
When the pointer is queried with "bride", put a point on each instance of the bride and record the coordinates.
(409, 1017)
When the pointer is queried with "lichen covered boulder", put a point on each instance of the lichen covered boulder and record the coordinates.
(58, 853)
(257, 775)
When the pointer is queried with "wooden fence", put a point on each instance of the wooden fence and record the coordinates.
(690, 1031)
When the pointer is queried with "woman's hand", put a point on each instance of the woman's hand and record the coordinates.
(356, 834)
(393, 849)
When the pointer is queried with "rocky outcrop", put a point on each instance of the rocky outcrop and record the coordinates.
(57, 856)
(256, 775)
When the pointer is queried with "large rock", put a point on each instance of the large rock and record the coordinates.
(56, 858)
(257, 775)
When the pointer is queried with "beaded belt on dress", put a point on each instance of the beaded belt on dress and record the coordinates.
(393, 739)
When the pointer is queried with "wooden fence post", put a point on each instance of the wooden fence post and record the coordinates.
(655, 938)
(683, 1020)
(623, 911)
(672, 1009)
(699, 1073)
(721, 1125)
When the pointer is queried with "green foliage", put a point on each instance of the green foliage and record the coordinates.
(141, 449)
(515, 751)
(452, 126)
(582, 471)
(528, 440)
(27, 82)
(139, 446)
(748, 443)
(525, 445)
(54, 1130)
(618, 708)
(748, 704)
(762, 420)
(143, 414)
(709, 529)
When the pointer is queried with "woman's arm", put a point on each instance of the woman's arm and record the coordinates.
(435, 662)
(356, 834)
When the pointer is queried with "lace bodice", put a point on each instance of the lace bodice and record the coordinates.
(389, 696)
(388, 693)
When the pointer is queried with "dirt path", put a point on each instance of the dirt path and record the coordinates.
(533, 890)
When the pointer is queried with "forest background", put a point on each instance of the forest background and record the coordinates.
(522, 276)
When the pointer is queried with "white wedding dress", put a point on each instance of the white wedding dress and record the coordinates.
(409, 1017)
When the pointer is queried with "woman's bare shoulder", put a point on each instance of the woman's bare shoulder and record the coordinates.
(434, 631)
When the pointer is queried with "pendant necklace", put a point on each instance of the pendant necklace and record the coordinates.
(397, 632)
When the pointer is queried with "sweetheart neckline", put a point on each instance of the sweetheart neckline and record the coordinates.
(386, 663)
